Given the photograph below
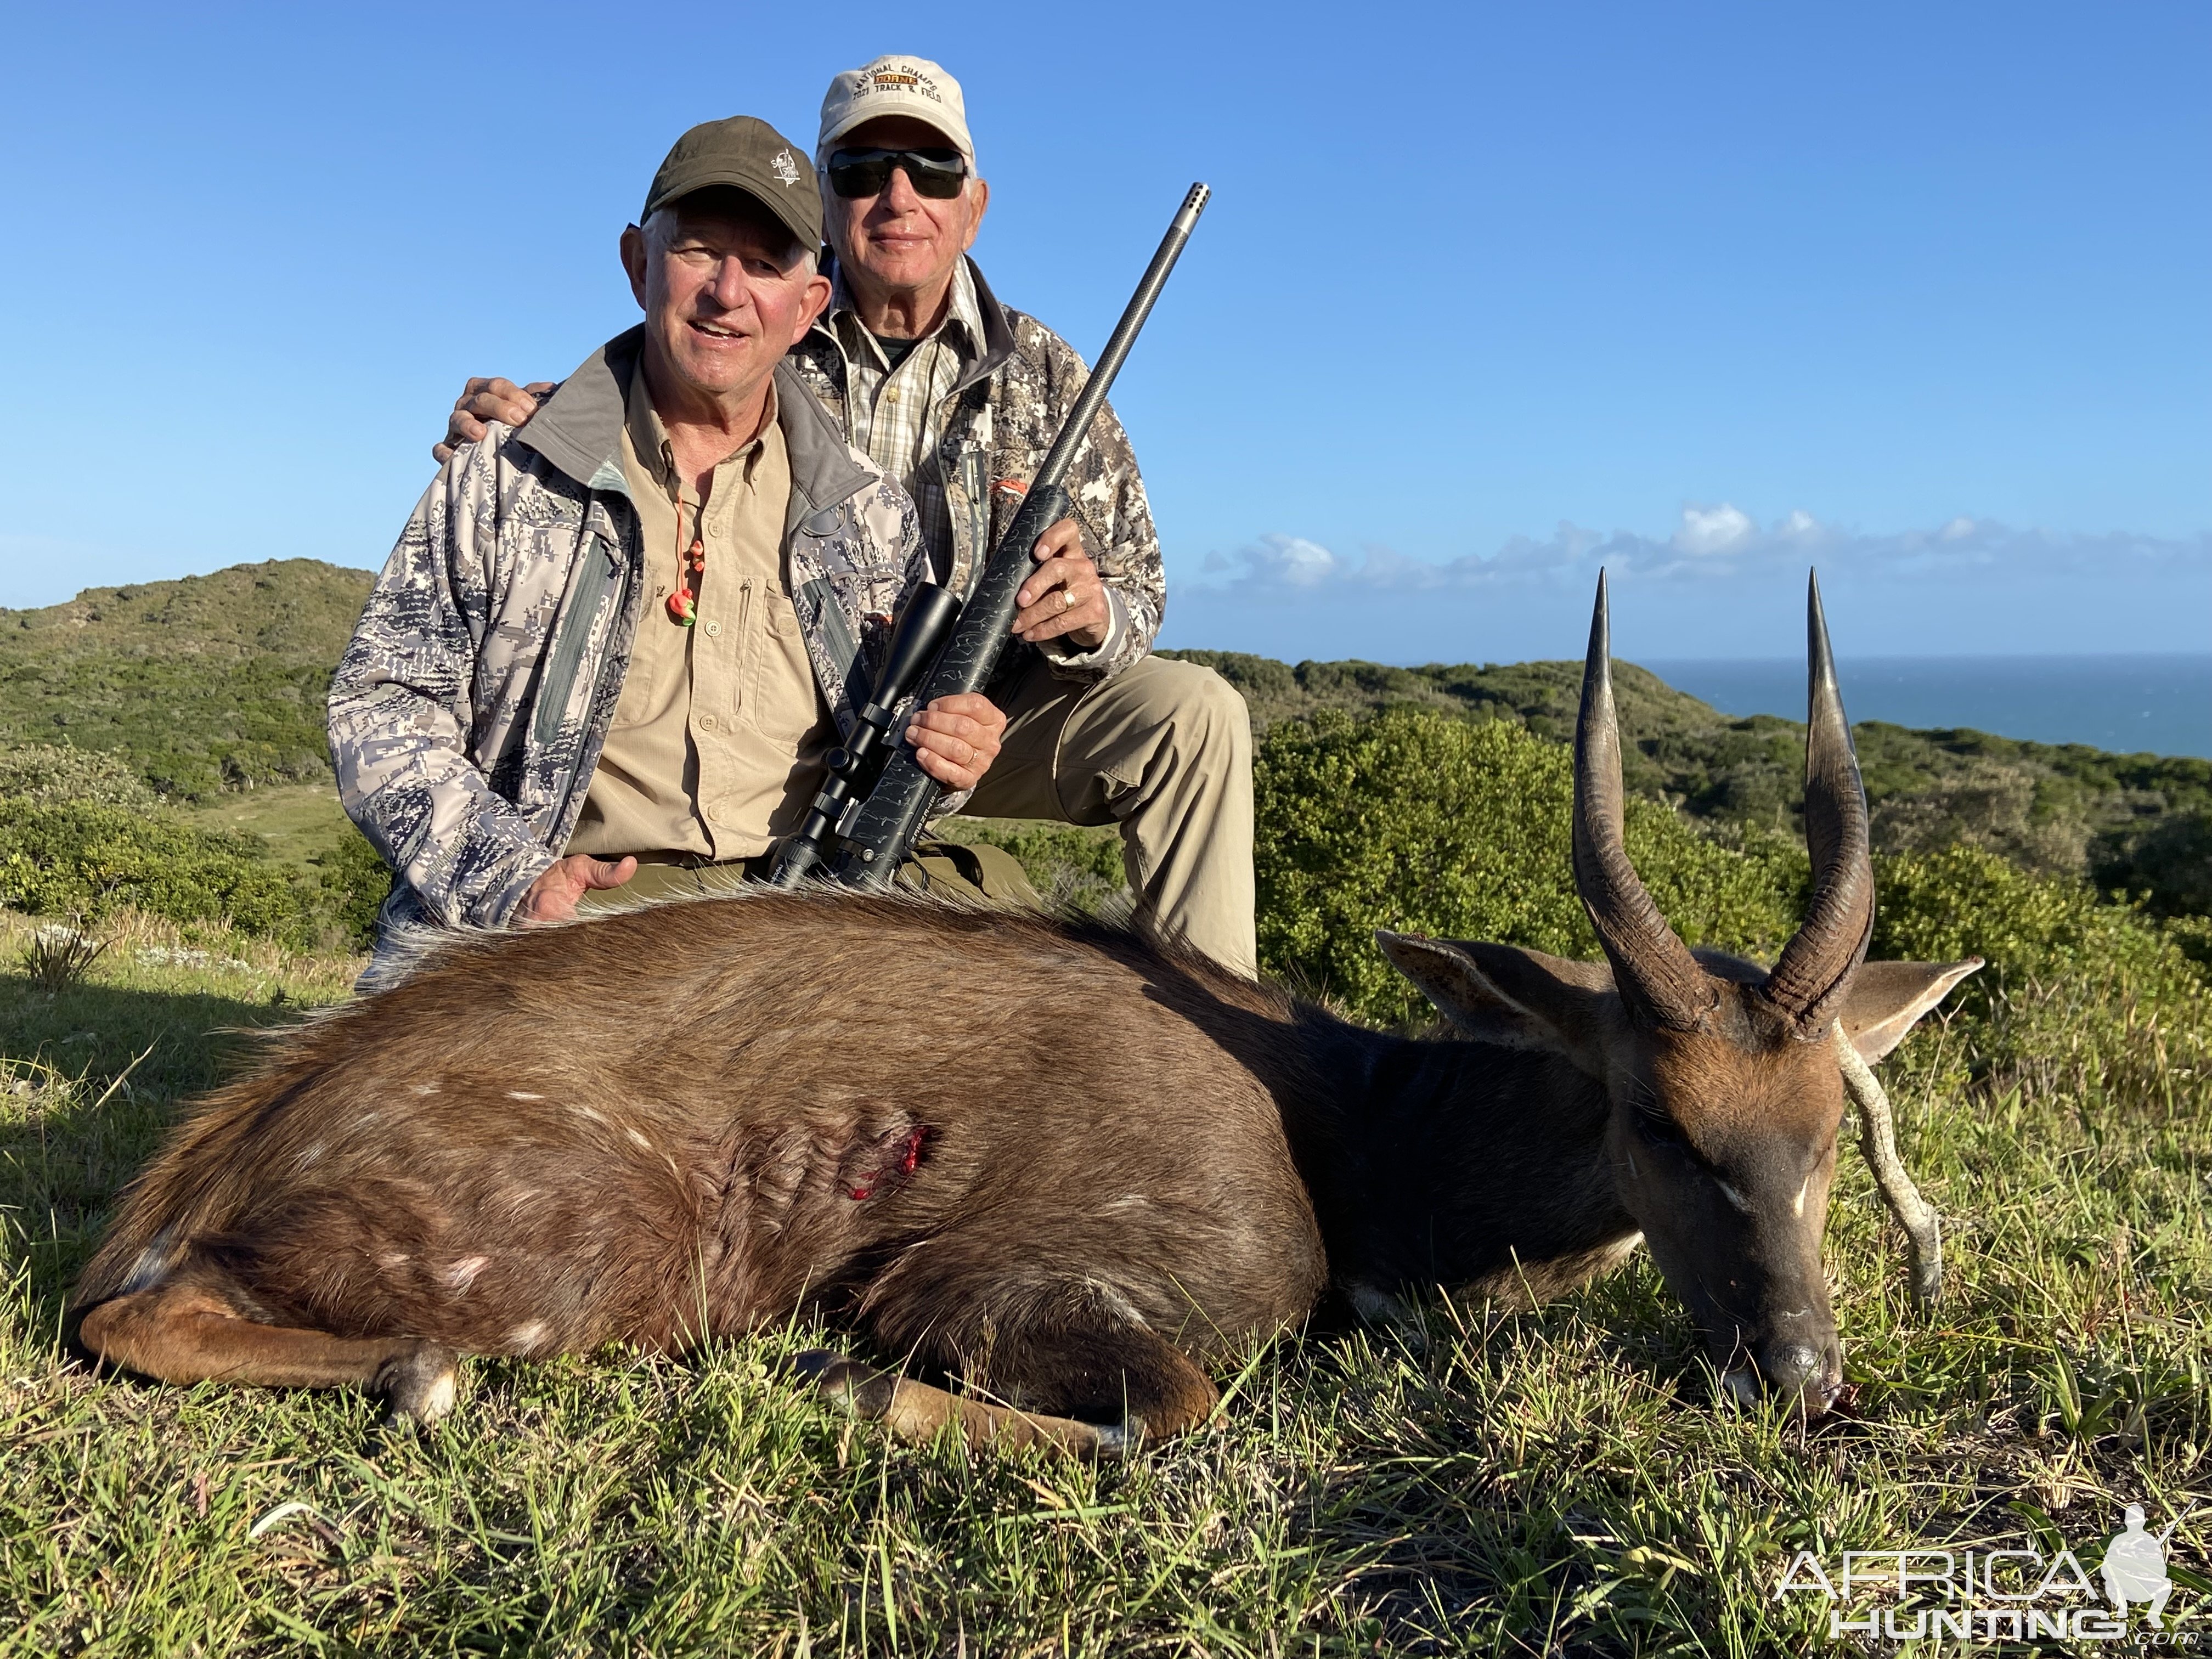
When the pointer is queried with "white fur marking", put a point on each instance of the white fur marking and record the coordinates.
(524, 1338)
(640, 1139)
(152, 1266)
(463, 1273)
(394, 1259)
(1734, 1196)
(1797, 1204)
(423, 1089)
(1122, 1308)
(517, 1094)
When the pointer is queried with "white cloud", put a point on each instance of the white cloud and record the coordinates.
(1712, 543)
(1277, 562)
(1720, 529)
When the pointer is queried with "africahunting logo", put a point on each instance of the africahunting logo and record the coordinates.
(1995, 1595)
(785, 168)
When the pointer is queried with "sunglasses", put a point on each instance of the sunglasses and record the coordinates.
(936, 174)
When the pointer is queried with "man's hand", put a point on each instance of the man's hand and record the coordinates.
(553, 895)
(1064, 597)
(956, 739)
(483, 400)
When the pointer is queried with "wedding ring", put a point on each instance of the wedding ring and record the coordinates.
(1067, 599)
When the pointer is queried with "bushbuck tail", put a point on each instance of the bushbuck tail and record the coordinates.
(1054, 1168)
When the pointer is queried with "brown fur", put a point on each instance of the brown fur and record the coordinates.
(1056, 1164)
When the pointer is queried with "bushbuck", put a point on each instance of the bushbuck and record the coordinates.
(659, 1126)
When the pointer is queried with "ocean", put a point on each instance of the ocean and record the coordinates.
(2161, 704)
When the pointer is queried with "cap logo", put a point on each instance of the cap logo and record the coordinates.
(889, 78)
(784, 168)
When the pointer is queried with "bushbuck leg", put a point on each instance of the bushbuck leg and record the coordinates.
(1129, 1386)
(190, 1330)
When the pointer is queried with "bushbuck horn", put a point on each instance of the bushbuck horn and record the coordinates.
(1809, 980)
(1653, 969)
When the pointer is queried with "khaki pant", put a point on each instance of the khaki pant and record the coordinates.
(1165, 750)
(987, 873)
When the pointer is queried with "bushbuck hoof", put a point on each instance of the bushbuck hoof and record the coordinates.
(418, 1386)
(861, 1389)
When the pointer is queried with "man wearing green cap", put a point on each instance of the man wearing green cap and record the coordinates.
(612, 649)
(958, 395)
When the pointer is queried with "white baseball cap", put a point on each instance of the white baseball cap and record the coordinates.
(896, 84)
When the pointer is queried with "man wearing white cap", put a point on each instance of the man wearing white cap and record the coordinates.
(958, 397)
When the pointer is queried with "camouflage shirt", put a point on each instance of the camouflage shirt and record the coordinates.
(996, 423)
(468, 712)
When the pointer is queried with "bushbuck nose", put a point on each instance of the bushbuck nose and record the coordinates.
(1798, 1368)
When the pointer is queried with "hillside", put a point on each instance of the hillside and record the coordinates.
(2139, 822)
(207, 684)
(214, 685)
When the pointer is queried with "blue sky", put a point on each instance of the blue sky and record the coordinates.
(1487, 294)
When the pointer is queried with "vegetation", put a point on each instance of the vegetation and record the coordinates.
(208, 683)
(82, 838)
(2141, 823)
(1420, 822)
(1558, 1480)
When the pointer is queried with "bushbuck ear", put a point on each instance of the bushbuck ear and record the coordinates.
(1503, 993)
(1887, 998)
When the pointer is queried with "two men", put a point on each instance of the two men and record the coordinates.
(939, 387)
(634, 629)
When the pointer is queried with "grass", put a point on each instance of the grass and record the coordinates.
(299, 821)
(1551, 1481)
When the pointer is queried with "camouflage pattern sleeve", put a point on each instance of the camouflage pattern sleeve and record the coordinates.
(890, 520)
(1111, 506)
(400, 711)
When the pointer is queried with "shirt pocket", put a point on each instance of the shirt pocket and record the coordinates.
(786, 702)
(659, 661)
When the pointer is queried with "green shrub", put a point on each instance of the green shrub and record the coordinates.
(86, 858)
(2094, 1002)
(89, 858)
(45, 773)
(1963, 901)
(352, 881)
(1068, 863)
(2169, 862)
(1420, 822)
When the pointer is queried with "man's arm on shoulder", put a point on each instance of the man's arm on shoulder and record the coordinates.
(400, 713)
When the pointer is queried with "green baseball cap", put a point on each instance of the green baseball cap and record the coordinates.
(749, 156)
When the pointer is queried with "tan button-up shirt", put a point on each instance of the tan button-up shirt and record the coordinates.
(717, 743)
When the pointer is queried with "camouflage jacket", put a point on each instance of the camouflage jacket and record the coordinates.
(1007, 408)
(468, 713)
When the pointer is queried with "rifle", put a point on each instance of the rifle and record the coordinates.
(875, 802)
